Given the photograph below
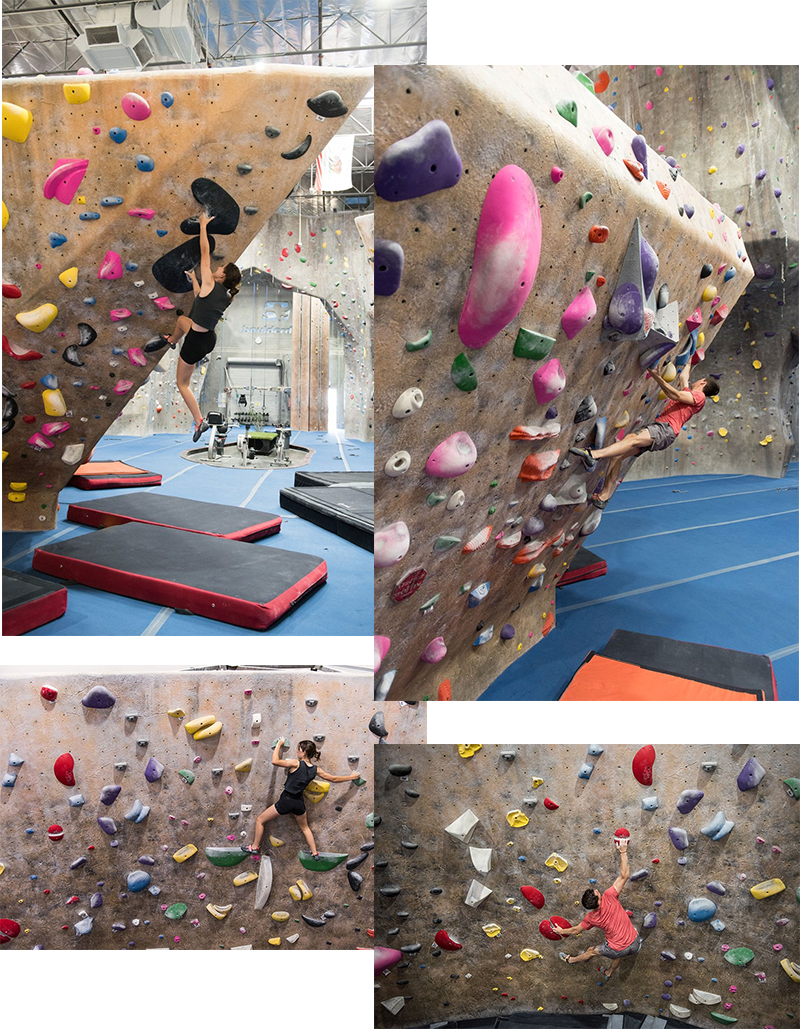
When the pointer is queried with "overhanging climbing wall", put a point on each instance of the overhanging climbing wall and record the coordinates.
(479, 506)
(133, 147)
(733, 129)
(196, 800)
(539, 822)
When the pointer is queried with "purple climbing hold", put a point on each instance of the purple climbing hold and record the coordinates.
(507, 632)
(689, 210)
(770, 84)
(689, 800)
(679, 837)
(422, 163)
(649, 266)
(154, 770)
(551, 412)
(99, 696)
(761, 175)
(639, 148)
(650, 920)
(626, 310)
(389, 258)
(751, 775)
(641, 874)
(96, 901)
(533, 526)
(78, 863)
(764, 271)
(740, 149)
(716, 887)
(109, 794)
(108, 825)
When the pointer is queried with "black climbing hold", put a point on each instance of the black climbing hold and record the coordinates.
(219, 205)
(392, 932)
(329, 914)
(251, 210)
(412, 793)
(355, 881)
(356, 861)
(408, 845)
(367, 846)
(437, 921)
(411, 948)
(170, 270)
(436, 890)
(609, 366)
(399, 770)
(70, 355)
(271, 132)
(88, 335)
(705, 271)
(316, 922)
(580, 436)
(380, 864)
(389, 891)
(328, 104)
(299, 150)
(586, 409)
(377, 727)
(402, 914)
(244, 169)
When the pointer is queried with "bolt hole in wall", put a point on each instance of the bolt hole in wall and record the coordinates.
(483, 853)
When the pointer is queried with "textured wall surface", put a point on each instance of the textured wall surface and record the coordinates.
(37, 881)
(215, 124)
(733, 129)
(487, 976)
(499, 117)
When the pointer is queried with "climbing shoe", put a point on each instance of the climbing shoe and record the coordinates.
(599, 503)
(586, 456)
(157, 344)
(199, 430)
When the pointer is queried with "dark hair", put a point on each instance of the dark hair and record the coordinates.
(232, 279)
(309, 749)
(589, 900)
(711, 388)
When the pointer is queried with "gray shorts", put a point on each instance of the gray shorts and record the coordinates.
(605, 951)
(663, 436)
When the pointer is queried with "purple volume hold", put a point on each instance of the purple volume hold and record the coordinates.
(154, 770)
(689, 800)
(422, 163)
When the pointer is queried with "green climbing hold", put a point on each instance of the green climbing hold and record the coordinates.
(360, 782)
(492, 510)
(532, 345)
(186, 775)
(430, 603)
(793, 787)
(725, 1019)
(226, 857)
(493, 483)
(589, 276)
(465, 588)
(435, 498)
(584, 200)
(463, 374)
(446, 542)
(324, 862)
(568, 109)
(176, 911)
(739, 956)
(585, 81)
(420, 344)
(370, 821)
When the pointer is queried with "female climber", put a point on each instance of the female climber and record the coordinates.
(212, 296)
(291, 800)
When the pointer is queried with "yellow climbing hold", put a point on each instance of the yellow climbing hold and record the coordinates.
(275, 941)
(713, 167)
(791, 968)
(5, 214)
(701, 338)
(767, 439)
(468, 749)
(491, 929)
(715, 399)
(316, 791)
(280, 916)
(77, 93)
(212, 730)
(38, 319)
(756, 364)
(185, 853)
(275, 841)
(218, 910)
(18, 487)
(557, 861)
(709, 293)
(243, 878)
(623, 421)
(69, 277)
(244, 766)
(536, 571)
(516, 819)
(529, 955)
(2, 868)
(300, 891)
(17, 498)
(767, 889)
(199, 723)
(54, 403)
(536, 782)
(17, 122)
(669, 372)
(723, 432)
(176, 712)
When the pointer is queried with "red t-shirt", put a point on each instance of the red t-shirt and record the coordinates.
(612, 919)
(677, 414)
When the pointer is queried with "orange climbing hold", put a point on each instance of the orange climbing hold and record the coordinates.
(445, 691)
(601, 82)
(598, 234)
(663, 189)
(537, 467)
(636, 170)
(480, 539)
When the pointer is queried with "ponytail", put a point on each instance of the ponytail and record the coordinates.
(233, 278)
(309, 749)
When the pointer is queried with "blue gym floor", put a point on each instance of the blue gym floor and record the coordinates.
(707, 559)
(342, 607)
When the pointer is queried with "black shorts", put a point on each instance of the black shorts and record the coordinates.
(286, 804)
(197, 345)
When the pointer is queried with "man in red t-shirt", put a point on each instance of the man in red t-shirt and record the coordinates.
(683, 403)
(605, 912)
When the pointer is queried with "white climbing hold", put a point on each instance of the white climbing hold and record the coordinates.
(463, 827)
(476, 893)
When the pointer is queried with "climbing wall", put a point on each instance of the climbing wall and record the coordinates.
(544, 820)
(326, 257)
(508, 202)
(733, 129)
(117, 156)
(196, 799)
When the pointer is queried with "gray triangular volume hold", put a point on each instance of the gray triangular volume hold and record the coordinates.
(661, 338)
(625, 317)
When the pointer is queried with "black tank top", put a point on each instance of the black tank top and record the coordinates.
(208, 310)
(297, 780)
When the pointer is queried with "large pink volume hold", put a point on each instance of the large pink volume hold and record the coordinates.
(506, 259)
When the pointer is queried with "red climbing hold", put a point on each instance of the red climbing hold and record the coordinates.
(601, 82)
(548, 927)
(536, 897)
(409, 584)
(48, 692)
(642, 765)
(622, 834)
(441, 939)
(445, 690)
(62, 770)
(55, 833)
(8, 930)
(663, 189)
(550, 804)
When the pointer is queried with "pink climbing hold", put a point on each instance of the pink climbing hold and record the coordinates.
(40, 442)
(391, 544)
(695, 320)
(136, 107)
(382, 644)
(435, 652)
(120, 314)
(63, 181)
(579, 313)
(507, 250)
(548, 381)
(142, 212)
(111, 267)
(557, 174)
(123, 386)
(136, 357)
(454, 456)
(605, 138)
(54, 428)
(164, 304)
(386, 958)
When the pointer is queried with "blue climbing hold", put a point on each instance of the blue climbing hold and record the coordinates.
(49, 381)
(89, 301)
(585, 771)
(117, 134)
(718, 827)
(161, 232)
(111, 201)
(57, 239)
(167, 99)
(138, 881)
(144, 163)
(131, 266)
(89, 216)
(701, 909)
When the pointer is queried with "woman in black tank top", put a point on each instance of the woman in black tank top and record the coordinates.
(302, 771)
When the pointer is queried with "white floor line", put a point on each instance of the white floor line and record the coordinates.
(692, 500)
(153, 628)
(255, 488)
(691, 528)
(38, 543)
(784, 651)
(183, 471)
(677, 482)
(341, 451)
(676, 582)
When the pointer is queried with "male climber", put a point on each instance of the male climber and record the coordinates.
(606, 912)
(682, 404)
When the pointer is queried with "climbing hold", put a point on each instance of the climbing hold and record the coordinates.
(434, 652)
(109, 794)
(138, 881)
(739, 956)
(568, 109)
(688, 800)
(605, 138)
(792, 788)
(767, 889)
(556, 174)
(557, 861)
(184, 853)
(649, 803)
(391, 544)
(38, 319)
(69, 278)
(298, 151)
(550, 804)
(176, 911)
(537, 467)
(718, 827)
(679, 837)
(639, 147)
(388, 261)
(64, 180)
(207, 732)
(549, 926)
(532, 345)
(111, 266)
(585, 771)
(751, 775)
(642, 765)
(323, 862)
(586, 409)
(579, 313)
(99, 697)
(598, 234)
(462, 828)
(452, 457)
(422, 163)
(399, 770)
(17, 122)
(476, 893)
(108, 825)
(63, 769)
(530, 893)
(167, 99)
(408, 402)
(145, 164)
(441, 939)
(226, 857)
(463, 374)
(516, 819)
(136, 107)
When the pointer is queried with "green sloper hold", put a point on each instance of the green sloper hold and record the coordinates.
(725, 1019)
(463, 374)
(419, 344)
(584, 199)
(372, 820)
(360, 782)
(186, 775)
(226, 857)
(323, 863)
(568, 109)
(739, 956)
(532, 345)
(446, 542)
(792, 787)
(435, 498)
(585, 81)
(176, 911)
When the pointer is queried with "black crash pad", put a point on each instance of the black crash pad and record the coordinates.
(344, 510)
